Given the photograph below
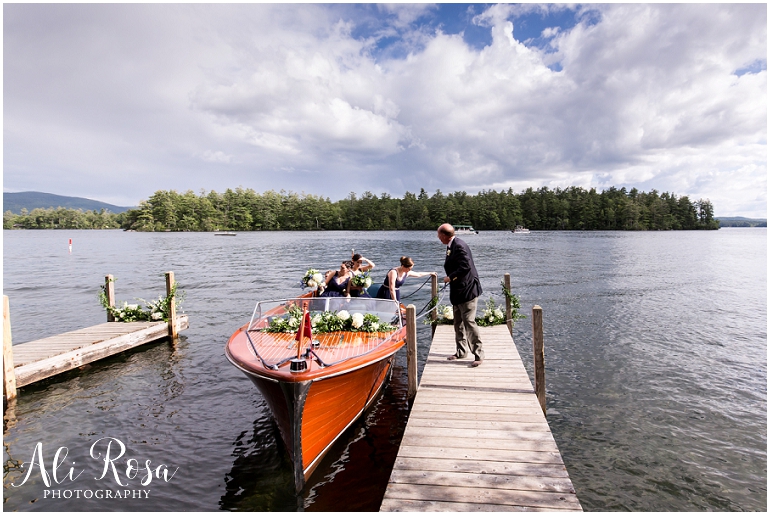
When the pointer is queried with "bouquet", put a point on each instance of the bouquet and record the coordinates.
(312, 279)
(361, 280)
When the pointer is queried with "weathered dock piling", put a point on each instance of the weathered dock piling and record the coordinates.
(477, 438)
(411, 351)
(29, 362)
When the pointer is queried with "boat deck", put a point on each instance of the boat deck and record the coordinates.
(477, 438)
(333, 346)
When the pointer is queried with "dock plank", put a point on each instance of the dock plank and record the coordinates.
(46, 357)
(477, 438)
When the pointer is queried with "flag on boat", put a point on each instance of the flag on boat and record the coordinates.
(305, 326)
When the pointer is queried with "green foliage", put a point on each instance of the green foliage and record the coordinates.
(328, 322)
(62, 218)
(444, 314)
(515, 304)
(155, 310)
(491, 315)
(241, 209)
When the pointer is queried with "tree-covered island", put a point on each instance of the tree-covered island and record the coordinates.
(241, 209)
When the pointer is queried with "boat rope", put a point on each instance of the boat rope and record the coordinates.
(435, 301)
(264, 363)
(418, 289)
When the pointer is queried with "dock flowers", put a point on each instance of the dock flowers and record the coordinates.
(492, 315)
(444, 315)
(153, 311)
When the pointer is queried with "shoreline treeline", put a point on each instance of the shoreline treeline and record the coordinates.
(62, 218)
(241, 209)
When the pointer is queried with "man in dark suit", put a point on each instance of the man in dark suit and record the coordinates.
(464, 291)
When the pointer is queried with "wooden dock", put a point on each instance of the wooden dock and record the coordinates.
(40, 359)
(29, 362)
(477, 438)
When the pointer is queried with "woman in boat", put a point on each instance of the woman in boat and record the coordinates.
(357, 267)
(390, 288)
(337, 282)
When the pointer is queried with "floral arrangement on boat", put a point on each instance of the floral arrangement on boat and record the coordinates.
(328, 322)
(361, 280)
(312, 279)
(152, 311)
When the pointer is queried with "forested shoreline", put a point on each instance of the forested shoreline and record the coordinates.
(572, 208)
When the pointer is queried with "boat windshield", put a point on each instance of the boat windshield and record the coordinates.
(387, 311)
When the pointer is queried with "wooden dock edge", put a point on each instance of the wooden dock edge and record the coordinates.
(477, 439)
(49, 367)
(9, 375)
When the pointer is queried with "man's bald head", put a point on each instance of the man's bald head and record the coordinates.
(445, 233)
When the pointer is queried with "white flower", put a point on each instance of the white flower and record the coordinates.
(491, 318)
(292, 321)
(498, 313)
(318, 278)
(368, 282)
(311, 283)
(358, 320)
(344, 315)
(132, 306)
(157, 315)
(375, 326)
(315, 319)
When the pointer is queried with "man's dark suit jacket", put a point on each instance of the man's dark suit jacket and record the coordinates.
(464, 284)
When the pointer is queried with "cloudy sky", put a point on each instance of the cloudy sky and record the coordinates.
(114, 102)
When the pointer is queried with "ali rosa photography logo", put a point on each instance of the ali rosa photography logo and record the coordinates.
(124, 478)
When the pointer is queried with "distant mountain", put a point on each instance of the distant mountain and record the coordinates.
(741, 221)
(14, 202)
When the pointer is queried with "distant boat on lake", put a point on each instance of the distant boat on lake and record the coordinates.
(465, 230)
(225, 233)
(520, 230)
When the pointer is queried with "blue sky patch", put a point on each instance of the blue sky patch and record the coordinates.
(755, 67)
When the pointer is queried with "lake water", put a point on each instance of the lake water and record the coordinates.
(655, 348)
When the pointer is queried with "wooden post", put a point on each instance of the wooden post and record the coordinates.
(9, 375)
(433, 295)
(538, 350)
(109, 285)
(411, 351)
(508, 307)
(172, 331)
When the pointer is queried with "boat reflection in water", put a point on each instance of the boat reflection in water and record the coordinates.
(317, 381)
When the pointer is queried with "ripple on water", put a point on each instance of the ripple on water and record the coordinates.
(655, 362)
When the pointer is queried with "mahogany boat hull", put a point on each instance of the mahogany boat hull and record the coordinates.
(312, 415)
(340, 376)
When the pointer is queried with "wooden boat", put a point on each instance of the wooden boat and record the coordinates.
(317, 387)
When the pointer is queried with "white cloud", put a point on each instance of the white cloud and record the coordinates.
(216, 156)
(663, 96)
